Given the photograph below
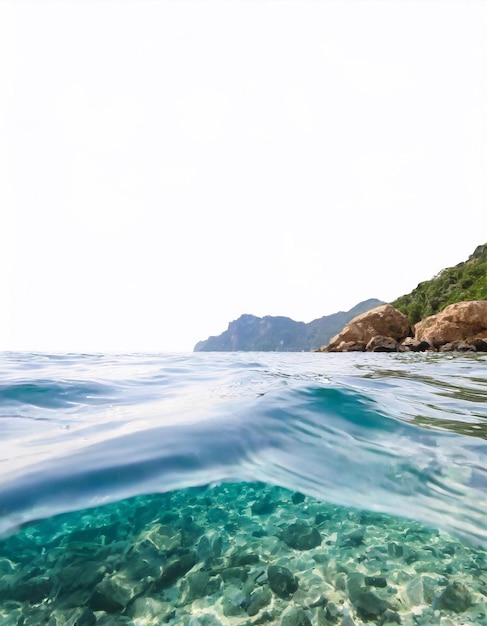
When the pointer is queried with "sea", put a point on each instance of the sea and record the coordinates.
(246, 488)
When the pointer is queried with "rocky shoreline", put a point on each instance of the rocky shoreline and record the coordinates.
(238, 555)
(460, 327)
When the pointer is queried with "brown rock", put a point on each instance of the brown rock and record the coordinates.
(351, 346)
(457, 346)
(382, 344)
(447, 347)
(457, 322)
(384, 320)
(412, 344)
(480, 344)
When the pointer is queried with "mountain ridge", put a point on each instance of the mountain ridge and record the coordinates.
(465, 281)
(281, 334)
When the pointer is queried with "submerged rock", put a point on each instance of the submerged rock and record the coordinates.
(109, 620)
(166, 539)
(300, 536)
(207, 619)
(455, 597)
(295, 617)
(111, 595)
(258, 600)
(355, 585)
(87, 618)
(217, 515)
(33, 590)
(265, 506)
(369, 605)
(332, 612)
(198, 583)
(241, 558)
(143, 608)
(232, 574)
(395, 549)
(234, 601)
(74, 577)
(375, 581)
(190, 531)
(354, 539)
(77, 617)
(390, 617)
(413, 592)
(297, 497)
(281, 581)
(174, 569)
(210, 546)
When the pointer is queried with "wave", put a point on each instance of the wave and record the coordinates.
(403, 436)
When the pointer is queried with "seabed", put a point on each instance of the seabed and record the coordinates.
(238, 555)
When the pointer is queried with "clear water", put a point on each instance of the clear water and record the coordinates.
(147, 489)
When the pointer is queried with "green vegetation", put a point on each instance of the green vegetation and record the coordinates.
(465, 281)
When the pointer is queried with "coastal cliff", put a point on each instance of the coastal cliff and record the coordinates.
(437, 315)
(446, 313)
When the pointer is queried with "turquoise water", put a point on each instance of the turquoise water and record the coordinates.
(246, 488)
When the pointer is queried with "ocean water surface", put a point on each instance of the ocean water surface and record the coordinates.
(210, 489)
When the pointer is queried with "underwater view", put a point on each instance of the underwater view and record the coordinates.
(216, 489)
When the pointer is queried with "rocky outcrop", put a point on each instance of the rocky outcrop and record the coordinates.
(384, 321)
(382, 344)
(464, 282)
(457, 322)
(410, 344)
(460, 327)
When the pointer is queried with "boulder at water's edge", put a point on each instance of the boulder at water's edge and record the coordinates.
(460, 327)
(457, 322)
(384, 320)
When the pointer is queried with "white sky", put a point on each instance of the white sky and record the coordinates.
(166, 166)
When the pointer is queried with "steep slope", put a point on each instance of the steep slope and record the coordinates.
(465, 281)
(282, 334)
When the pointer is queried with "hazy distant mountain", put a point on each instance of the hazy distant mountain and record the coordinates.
(282, 334)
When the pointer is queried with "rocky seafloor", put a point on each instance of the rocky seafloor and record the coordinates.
(238, 555)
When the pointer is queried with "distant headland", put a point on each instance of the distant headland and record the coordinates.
(448, 312)
(281, 334)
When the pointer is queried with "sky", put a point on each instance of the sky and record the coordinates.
(166, 166)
